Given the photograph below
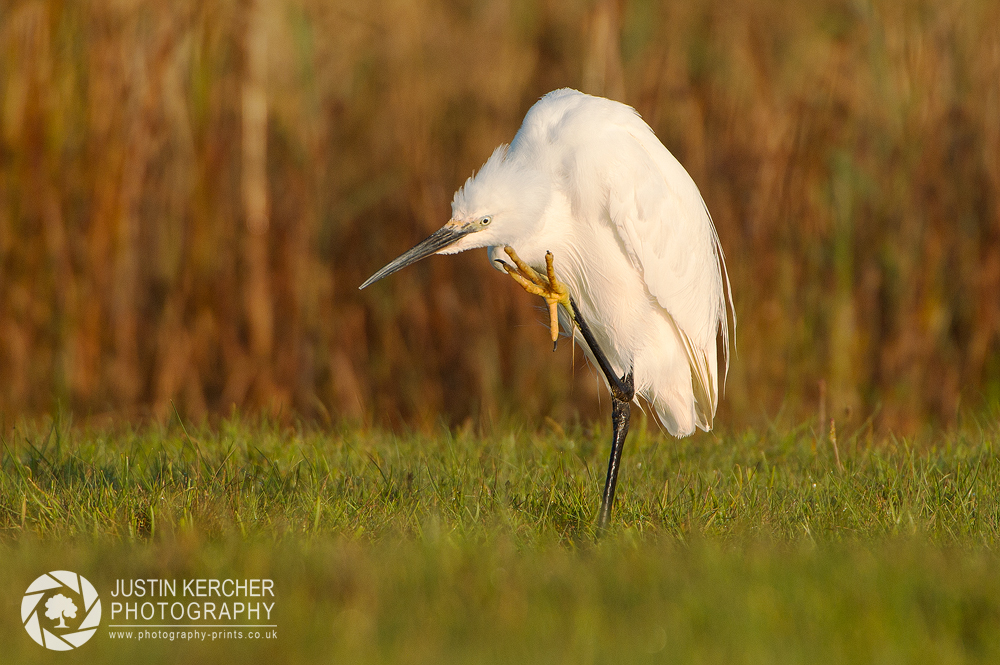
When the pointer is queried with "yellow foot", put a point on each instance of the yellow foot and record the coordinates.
(547, 286)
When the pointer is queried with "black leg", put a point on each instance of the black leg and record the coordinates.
(621, 409)
(602, 360)
(622, 392)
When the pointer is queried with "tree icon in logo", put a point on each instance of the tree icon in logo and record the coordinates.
(63, 595)
(59, 607)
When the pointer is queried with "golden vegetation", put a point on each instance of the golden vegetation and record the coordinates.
(190, 194)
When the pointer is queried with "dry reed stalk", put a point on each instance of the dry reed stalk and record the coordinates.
(191, 192)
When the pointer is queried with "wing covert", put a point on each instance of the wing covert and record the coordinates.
(668, 234)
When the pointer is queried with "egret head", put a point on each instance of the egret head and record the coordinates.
(499, 205)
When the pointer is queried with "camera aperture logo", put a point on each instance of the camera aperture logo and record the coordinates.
(61, 610)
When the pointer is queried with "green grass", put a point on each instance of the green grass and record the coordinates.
(456, 547)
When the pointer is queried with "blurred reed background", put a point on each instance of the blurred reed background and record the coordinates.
(191, 192)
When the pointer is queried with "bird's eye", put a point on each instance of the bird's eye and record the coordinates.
(485, 221)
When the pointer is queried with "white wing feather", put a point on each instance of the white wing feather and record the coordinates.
(660, 218)
(669, 236)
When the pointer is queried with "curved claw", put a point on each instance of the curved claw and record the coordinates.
(547, 286)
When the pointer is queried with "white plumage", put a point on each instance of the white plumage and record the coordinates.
(586, 179)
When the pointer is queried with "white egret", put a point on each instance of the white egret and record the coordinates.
(594, 213)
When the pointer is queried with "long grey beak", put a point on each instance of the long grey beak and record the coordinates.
(438, 240)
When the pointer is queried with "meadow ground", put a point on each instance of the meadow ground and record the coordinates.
(742, 547)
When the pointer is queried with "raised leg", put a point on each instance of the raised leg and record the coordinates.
(622, 389)
(548, 287)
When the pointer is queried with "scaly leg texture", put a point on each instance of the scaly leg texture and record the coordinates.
(621, 409)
